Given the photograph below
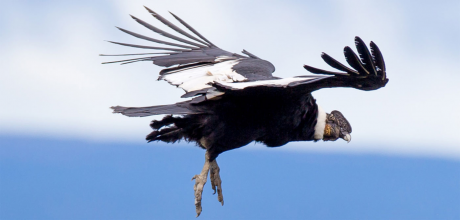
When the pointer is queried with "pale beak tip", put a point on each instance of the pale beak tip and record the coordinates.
(347, 138)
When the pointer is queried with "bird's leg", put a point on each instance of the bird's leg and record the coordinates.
(216, 181)
(200, 180)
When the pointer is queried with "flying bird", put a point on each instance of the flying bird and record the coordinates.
(234, 99)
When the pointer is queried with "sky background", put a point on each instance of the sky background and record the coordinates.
(56, 128)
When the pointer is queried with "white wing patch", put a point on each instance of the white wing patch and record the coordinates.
(198, 78)
(275, 82)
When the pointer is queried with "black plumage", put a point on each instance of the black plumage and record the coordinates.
(273, 118)
(236, 100)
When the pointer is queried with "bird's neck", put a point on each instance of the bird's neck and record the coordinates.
(320, 124)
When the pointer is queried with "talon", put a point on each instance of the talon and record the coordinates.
(200, 181)
(216, 181)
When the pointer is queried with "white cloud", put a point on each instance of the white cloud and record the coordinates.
(53, 83)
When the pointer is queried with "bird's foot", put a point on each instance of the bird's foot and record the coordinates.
(216, 181)
(200, 181)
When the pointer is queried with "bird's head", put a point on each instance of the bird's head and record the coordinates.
(336, 127)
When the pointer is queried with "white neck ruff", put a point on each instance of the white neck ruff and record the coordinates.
(320, 124)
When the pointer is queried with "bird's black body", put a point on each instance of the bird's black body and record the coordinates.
(236, 100)
(233, 122)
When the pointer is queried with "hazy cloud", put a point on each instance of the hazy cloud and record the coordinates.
(53, 83)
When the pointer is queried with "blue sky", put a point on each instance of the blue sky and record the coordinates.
(56, 94)
(74, 179)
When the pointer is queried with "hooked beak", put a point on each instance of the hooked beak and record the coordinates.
(347, 137)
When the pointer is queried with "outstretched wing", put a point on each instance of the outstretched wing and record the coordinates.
(195, 62)
(368, 72)
(196, 65)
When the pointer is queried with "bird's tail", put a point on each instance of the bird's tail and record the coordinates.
(178, 108)
(170, 129)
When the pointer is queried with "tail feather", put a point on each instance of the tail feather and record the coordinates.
(151, 110)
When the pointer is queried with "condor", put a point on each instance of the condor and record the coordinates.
(234, 99)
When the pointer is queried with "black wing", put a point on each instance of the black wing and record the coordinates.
(196, 62)
(368, 73)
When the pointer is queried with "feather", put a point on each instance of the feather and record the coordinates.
(119, 61)
(135, 61)
(183, 68)
(378, 58)
(365, 56)
(155, 40)
(168, 61)
(146, 47)
(151, 110)
(284, 82)
(174, 27)
(191, 29)
(250, 54)
(164, 33)
(195, 93)
(336, 64)
(197, 77)
(354, 61)
(320, 71)
(134, 54)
